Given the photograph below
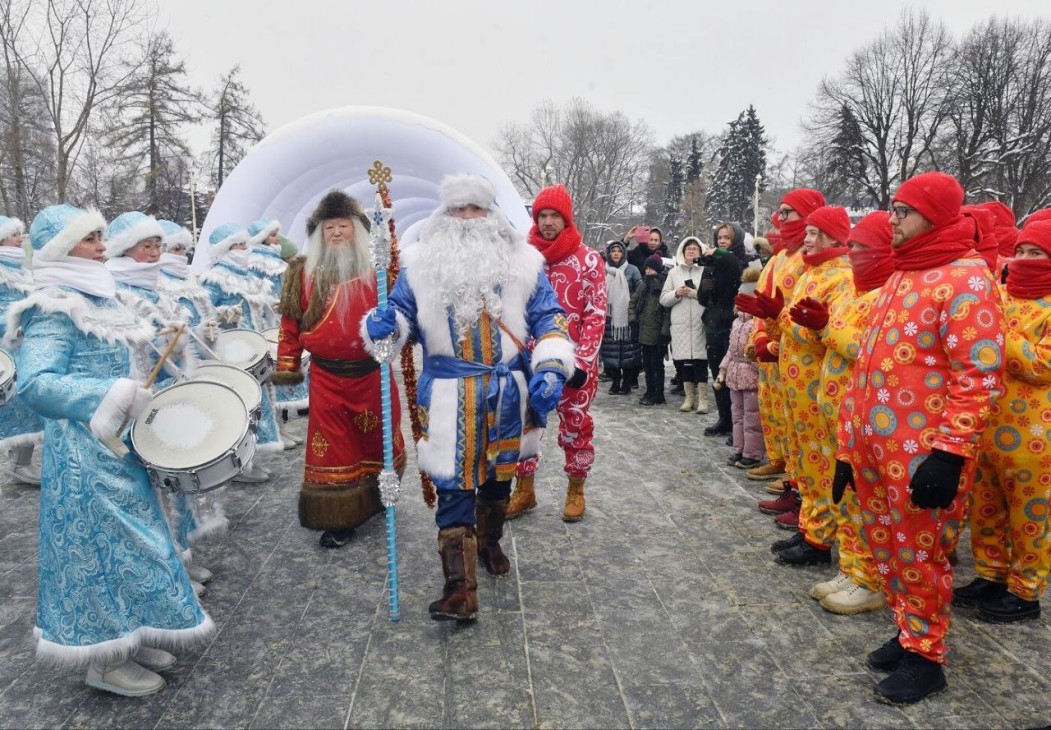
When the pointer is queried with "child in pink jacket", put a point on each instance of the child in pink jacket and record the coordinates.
(741, 375)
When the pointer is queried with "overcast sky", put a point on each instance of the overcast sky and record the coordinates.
(681, 65)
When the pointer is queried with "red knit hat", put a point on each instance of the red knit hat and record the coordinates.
(1044, 214)
(873, 231)
(803, 201)
(936, 195)
(1038, 234)
(556, 198)
(832, 221)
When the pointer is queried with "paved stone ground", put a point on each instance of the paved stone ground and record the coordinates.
(663, 608)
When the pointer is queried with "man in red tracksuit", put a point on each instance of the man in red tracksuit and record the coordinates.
(578, 277)
(910, 426)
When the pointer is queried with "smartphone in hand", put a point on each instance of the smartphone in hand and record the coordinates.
(642, 234)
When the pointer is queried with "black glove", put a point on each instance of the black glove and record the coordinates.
(578, 379)
(843, 478)
(936, 481)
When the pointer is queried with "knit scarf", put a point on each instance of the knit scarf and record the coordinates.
(792, 235)
(1029, 278)
(937, 247)
(871, 269)
(127, 270)
(618, 295)
(819, 257)
(175, 265)
(554, 251)
(84, 275)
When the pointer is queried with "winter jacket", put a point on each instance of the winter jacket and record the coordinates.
(687, 328)
(638, 255)
(719, 285)
(622, 351)
(645, 312)
(741, 373)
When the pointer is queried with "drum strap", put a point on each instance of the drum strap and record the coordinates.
(346, 368)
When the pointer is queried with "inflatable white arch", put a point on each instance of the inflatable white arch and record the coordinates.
(286, 174)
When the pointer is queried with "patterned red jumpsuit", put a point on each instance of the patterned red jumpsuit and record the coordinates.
(579, 280)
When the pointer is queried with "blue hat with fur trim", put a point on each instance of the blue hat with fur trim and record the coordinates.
(128, 229)
(260, 229)
(224, 237)
(175, 235)
(58, 228)
(10, 226)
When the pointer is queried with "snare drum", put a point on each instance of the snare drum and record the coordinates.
(272, 335)
(194, 437)
(241, 381)
(246, 349)
(7, 377)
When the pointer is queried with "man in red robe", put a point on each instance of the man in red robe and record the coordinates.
(324, 298)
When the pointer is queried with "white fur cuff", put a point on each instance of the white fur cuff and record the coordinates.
(559, 349)
(114, 407)
(401, 333)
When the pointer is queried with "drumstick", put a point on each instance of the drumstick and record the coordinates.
(113, 442)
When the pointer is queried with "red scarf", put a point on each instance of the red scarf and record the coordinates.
(1029, 278)
(792, 235)
(819, 257)
(871, 268)
(554, 251)
(937, 247)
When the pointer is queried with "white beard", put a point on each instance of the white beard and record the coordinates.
(468, 262)
(328, 266)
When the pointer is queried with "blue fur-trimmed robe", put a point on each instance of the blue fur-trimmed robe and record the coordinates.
(109, 576)
(466, 440)
(19, 425)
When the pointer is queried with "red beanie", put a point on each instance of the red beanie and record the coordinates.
(873, 232)
(556, 198)
(1044, 214)
(936, 195)
(1038, 234)
(832, 221)
(986, 245)
(804, 201)
(1003, 226)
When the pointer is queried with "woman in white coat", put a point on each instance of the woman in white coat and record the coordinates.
(687, 331)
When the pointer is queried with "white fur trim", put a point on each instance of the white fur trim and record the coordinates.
(252, 290)
(555, 348)
(530, 445)
(34, 439)
(113, 409)
(275, 447)
(291, 405)
(126, 239)
(268, 265)
(217, 250)
(12, 227)
(271, 227)
(436, 454)
(120, 649)
(84, 224)
(109, 324)
(181, 238)
(18, 279)
(403, 331)
(456, 191)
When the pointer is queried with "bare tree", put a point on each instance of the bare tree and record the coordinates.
(892, 92)
(601, 158)
(237, 125)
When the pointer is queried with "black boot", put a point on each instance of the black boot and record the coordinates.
(458, 549)
(977, 590)
(631, 380)
(491, 515)
(724, 405)
(804, 554)
(1007, 608)
(796, 540)
(614, 375)
(336, 538)
(915, 678)
(888, 657)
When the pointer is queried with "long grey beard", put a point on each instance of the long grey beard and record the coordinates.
(330, 266)
(469, 261)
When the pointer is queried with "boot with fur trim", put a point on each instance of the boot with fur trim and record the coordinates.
(459, 552)
(490, 528)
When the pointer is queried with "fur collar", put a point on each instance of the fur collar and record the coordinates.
(266, 262)
(15, 277)
(236, 282)
(105, 319)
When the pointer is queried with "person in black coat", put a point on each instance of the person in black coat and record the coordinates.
(720, 281)
(637, 256)
(621, 354)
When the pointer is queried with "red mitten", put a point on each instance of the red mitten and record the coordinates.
(810, 313)
(770, 307)
(748, 304)
(762, 351)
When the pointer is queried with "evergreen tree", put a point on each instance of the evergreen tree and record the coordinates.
(156, 104)
(742, 157)
(237, 125)
(671, 220)
(694, 163)
(846, 164)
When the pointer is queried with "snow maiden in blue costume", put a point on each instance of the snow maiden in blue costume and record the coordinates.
(111, 587)
(133, 245)
(228, 283)
(20, 428)
(473, 293)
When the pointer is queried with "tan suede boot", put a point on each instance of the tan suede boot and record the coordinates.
(459, 552)
(523, 498)
(691, 397)
(574, 509)
(490, 528)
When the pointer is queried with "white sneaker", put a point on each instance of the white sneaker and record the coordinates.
(156, 660)
(198, 588)
(853, 600)
(199, 574)
(27, 473)
(840, 583)
(126, 678)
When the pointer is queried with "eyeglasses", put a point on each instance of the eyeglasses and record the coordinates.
(150, 246)
(901, 212)
(783, 213)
